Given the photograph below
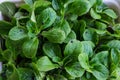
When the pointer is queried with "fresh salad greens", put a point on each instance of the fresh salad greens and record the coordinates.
(59, 40)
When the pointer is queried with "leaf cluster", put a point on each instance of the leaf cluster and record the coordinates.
(59, 40)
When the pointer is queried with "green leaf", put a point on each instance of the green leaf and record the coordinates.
(39, 75)
(94, 14)
(25, 74)
(7, 55)
(55, 4)
(32, 29)
(92, 2)
(84, 61)
(100, 58)
(99, 2)
(44, 64)
(47, 17)
(79, 7)
(110, 13)
(12, 73)
(90, 35)
(75, 70)
(100, 72)
(13, 47)
(8, 9)
(87, 47)
(106, 19)
(115, 56)
(26, 7)
(30, 2)
(114, 44)
(63, 25)
(73, 47)
(19, 15)
(17, 33)
(89, 76)
(59, 40)
(41, 3)
(30, 47)
(52, 50)
(5, 27)
(70, 37)
(100, 32)
(54, 35)
(100, 25)
(73, 17)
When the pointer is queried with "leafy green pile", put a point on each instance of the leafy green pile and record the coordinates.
(59, 40)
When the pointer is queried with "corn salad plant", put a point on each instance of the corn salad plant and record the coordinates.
(59, 40)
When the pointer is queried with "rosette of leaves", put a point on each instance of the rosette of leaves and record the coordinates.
(59, 40)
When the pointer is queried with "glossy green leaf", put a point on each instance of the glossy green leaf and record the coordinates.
(106, 19)
(25, 74)
(52, 50)
(115, 56)
(93, 2)
(84, 61)
(73, 47)
(100, 72)
(19, 15)
(7, 54)
(90, 35)
(87, 35)
(59, 40)
(30, 47)
(99, 2)
(114, 44)
(75, 70)
(26, 7)
(44, 64)
(17, 33)
(54, 35)
(100, 25)
(79, 7)
(55, 4)
(110, 13)
(8, 9)
(87, 47)
(94, 14)
(47, 17)
(30, 2)
(41, 3)
(100, 32)
(70, 37)
(101, 57)
(32, 29)
(64, 25)
(5, 27)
